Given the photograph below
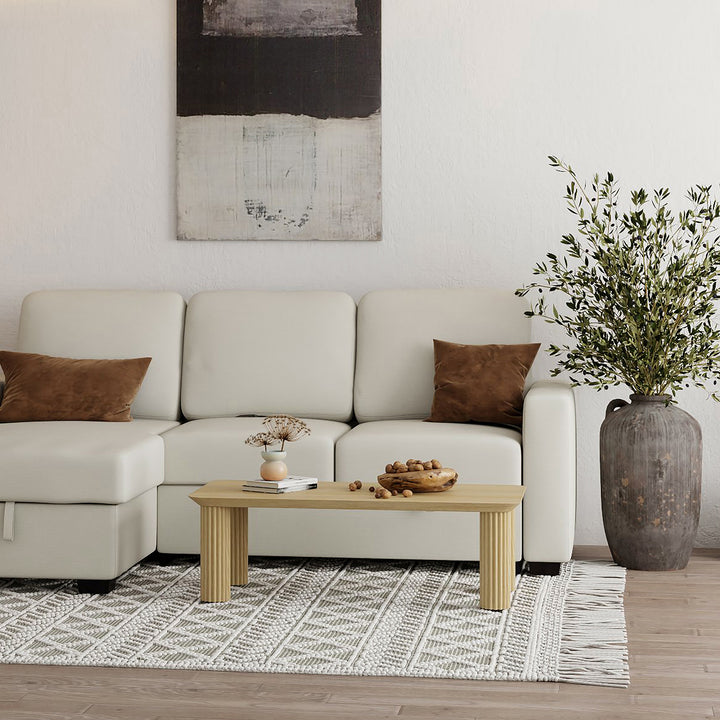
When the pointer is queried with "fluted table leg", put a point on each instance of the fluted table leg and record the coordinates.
(511, 575)
(497, 560)
(214, 554)
(239, 546)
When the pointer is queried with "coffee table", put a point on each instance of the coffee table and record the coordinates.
(224, 528)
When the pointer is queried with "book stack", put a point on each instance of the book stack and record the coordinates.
(291, 483)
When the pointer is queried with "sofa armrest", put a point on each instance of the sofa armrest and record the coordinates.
(549, 472)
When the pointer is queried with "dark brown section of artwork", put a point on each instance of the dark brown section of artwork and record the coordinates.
(323, 77)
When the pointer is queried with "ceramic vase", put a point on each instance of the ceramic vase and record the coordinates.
(650, 474)
(274, 467)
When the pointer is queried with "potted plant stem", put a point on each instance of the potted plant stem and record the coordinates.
(636, 291)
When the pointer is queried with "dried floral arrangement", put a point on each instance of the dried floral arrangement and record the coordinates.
(280, 429)
(262, 439)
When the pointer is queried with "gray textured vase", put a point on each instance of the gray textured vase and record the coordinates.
(650, 477)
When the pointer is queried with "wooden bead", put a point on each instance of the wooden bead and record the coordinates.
(389, 468)
(427, 465)
(436, 464)
(358, 484)
(407, 493)
(371, 488)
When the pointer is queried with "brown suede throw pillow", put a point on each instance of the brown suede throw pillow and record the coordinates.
(41, 387)
(480, 383)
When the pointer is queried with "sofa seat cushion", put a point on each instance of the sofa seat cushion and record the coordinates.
(80, 461)
(479, 453)
(215, 449)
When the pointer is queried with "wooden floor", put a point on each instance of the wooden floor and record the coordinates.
(674, 637)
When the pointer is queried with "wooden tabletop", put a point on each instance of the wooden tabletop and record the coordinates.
(336, 496)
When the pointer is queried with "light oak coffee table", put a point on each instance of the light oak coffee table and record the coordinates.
(224, 528)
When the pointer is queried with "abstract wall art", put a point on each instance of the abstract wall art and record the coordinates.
(278, 127)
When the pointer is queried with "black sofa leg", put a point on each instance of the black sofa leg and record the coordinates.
(95, 587)
(519, 566)
(543, 568)
(163, 559)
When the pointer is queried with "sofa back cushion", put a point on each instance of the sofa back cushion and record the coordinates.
(113, 324)
(259, 353)
(396, 328)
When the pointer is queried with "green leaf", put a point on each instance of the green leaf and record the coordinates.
(640, 288)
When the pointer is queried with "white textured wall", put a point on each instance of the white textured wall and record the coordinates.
(475, 94)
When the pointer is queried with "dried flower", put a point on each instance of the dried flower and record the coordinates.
(263, 439)
(286, 428)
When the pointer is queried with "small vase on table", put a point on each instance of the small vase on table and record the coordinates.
(274, 467)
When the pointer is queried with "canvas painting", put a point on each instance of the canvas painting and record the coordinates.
(278, 127)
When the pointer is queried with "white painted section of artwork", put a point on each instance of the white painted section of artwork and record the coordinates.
(278, 177)
(475, 95)
(280, 18)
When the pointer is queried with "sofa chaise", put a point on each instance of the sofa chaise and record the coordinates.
(87, 500)
(81, 497)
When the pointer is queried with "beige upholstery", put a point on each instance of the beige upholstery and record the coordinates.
(549, 460)
(396, 328)
(112, 324)
(480, 454)
(81, 462)
(492, 454)
(87, 500)
(79, 499)
(259, 353)
(204, 450)
(86, 541)
(178, 524)
(393, 389)
(213, 449)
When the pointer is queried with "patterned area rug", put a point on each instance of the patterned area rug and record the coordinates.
(329, 616)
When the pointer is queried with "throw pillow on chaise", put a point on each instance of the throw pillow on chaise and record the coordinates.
(42, 387)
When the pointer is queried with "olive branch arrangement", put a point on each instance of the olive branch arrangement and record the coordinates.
(640, 287)
(280, 429)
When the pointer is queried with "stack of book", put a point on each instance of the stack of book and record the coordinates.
(290, 484)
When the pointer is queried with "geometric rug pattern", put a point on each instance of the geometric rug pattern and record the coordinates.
(329, 616)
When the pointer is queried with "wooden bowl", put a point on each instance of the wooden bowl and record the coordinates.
(420, 481)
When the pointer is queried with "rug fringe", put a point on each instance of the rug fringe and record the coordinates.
(593, 646)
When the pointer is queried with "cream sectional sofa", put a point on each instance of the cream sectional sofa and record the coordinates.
(81, 497)
(88, 500)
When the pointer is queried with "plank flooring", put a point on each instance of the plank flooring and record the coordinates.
(674, 642)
